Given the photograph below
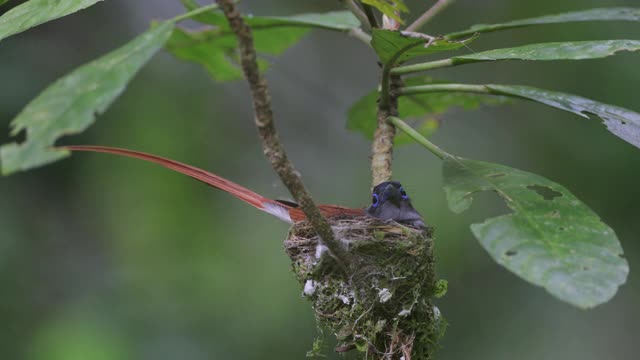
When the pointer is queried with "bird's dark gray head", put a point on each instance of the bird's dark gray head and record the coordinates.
(389, 201)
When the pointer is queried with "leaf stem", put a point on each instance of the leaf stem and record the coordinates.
(429, 14)
(408, 69)
(360, 35)
(193, 13)
(412, 133)
(422, 89)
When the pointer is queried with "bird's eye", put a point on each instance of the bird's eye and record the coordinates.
(375, 200)
(403, 193)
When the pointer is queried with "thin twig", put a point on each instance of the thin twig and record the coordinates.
(355, 9)
(429, 14)
(271, 145)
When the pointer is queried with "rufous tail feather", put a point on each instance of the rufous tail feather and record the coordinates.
(206, 177)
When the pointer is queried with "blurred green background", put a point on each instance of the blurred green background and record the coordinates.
(108, 258)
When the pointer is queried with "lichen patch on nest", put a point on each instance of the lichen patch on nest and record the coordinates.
(383, 307)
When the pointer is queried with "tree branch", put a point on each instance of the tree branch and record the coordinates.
(429, 14)
(271, 145)
(382, 145)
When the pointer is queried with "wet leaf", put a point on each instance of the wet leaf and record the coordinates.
(397, 47)
(69, 105)
(551, 239)
(600, 14)
(35, 12)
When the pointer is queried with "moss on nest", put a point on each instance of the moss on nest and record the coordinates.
(383, 308)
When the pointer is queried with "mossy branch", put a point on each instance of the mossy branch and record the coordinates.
(273, 149)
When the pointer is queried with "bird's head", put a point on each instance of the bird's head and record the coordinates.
(389, 201)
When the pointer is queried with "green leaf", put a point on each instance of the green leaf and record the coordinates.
(69, 105)
(2, 2)
(216, 53)
(622, 122)
(421, 108)
(576, 50)
(332, 20)
(551, 239)
(215, 48)
(391, 8)
(441, 288)
(601, 14)
(35, 12)
(210, 17)
(396, 47)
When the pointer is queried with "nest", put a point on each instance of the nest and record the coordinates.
(383, 307)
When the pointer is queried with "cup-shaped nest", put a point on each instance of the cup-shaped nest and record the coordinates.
(382, 306)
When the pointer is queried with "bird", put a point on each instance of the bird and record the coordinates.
(389, 200)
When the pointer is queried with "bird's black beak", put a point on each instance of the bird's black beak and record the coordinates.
(392, 194)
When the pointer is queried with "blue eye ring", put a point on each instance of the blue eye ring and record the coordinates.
(375, 200)
(404, 194)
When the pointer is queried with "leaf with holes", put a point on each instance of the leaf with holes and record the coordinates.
(622, 122)
(35, 12)
(391, 8)
(551, 239)
(600, 14)
(395, 47)
(419, 110)
(69, 105)
(216, 48)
